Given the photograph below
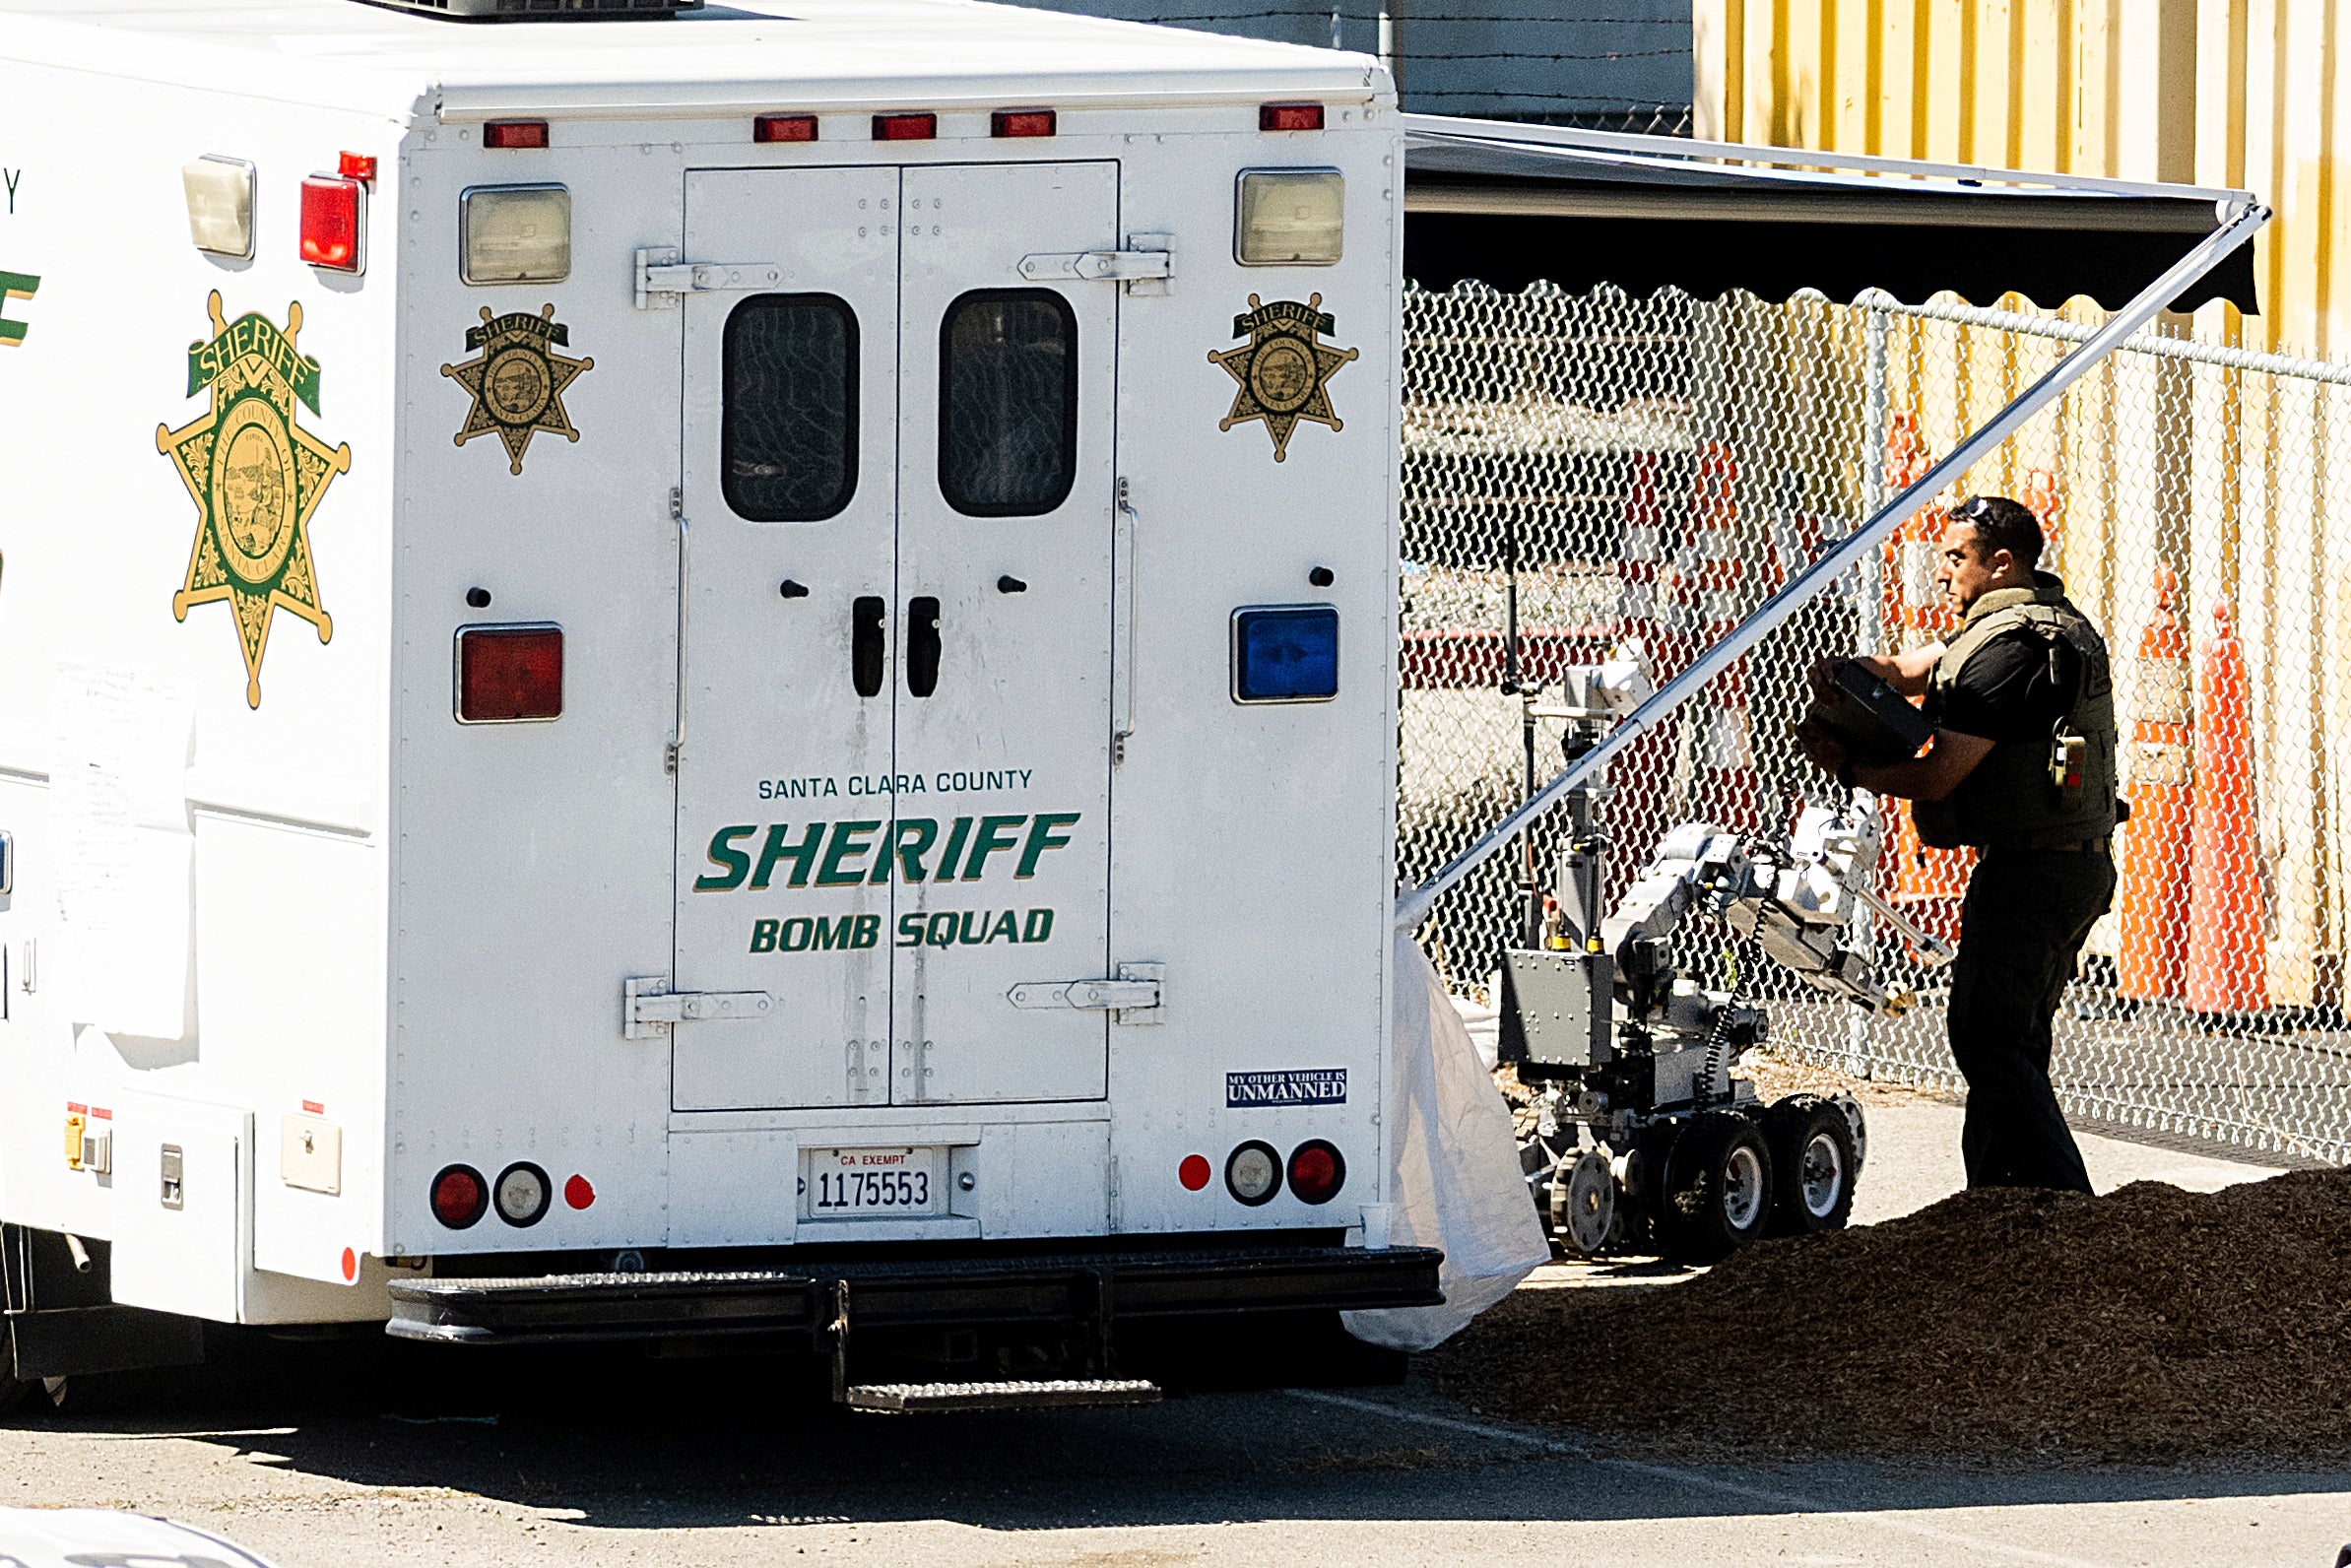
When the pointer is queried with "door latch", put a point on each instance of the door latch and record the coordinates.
(1136, 995)
(663, 279)
(647, 1004)
(1146, 261)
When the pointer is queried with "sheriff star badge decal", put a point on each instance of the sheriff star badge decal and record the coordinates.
(1284, 370)
(517, 379)
(256, 477)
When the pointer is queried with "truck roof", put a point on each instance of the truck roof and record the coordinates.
(720, 61)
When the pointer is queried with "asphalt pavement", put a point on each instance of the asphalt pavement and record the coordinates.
(324, 1455)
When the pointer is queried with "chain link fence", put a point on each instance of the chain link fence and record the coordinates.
(1585, 469)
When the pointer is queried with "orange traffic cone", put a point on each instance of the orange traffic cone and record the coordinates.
(2228, 964)
(2156, 852)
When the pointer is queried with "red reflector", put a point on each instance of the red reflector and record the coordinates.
(331, 222)
(577, 1192)
(517, 134)
(1193, 1172)
(351, 1264)
(1317, 1172)
(905, 127)
(507, 674)
(784, 128)
(358, 167)
(458, 1197)
(1022, 123)
(1289, 117)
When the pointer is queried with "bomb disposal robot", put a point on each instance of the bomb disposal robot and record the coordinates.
(1642, 1139)
(717, 676)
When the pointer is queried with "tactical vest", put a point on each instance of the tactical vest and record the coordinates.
(2011, 797)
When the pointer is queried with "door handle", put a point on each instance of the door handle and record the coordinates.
(922, 646)
(866, 654)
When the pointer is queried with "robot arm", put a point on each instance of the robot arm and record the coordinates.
(1799, 903)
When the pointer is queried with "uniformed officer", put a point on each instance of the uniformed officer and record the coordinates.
(2021, 766)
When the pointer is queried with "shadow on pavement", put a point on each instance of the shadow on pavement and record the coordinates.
(625, 1442)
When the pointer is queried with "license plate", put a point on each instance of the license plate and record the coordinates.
(871, 1183)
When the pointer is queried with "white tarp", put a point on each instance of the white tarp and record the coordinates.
(1455, 1184)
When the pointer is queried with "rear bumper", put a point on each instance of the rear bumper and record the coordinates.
(1093, 1289)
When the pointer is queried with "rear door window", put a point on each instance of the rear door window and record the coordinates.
(788, 443)
(1008, 415)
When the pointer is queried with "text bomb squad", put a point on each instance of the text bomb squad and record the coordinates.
(852, 854)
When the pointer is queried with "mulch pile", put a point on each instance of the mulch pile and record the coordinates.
(2150, 1325)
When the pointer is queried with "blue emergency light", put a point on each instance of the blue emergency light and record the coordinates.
(1285, 653)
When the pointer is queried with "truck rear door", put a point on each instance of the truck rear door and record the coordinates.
(894, 781)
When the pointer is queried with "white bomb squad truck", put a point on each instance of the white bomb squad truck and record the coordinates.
(709, 676)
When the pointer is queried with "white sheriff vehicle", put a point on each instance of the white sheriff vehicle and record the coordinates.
(728, 674)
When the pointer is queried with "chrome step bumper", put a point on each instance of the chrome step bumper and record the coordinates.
(1091, 1288)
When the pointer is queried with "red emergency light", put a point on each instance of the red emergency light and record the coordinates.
(1289, 117)
(514, 135)
(334, 210)
(1022, 123)
(784, 128)
(509, 675)
(905, 127)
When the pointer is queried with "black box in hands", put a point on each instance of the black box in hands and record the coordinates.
(1874, 722)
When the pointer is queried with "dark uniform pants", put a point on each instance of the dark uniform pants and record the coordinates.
(2020, 934)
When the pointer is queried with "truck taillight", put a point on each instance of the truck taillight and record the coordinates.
(1317, 1171)
(334, 219)
(509, 675)
(905, 127)
(1253, 1173)
(1289, 117)
(1022, 123)
(784, 128)
(459, 1197)
(514, 135)
(522, 1194)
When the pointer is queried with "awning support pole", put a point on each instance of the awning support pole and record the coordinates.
(1412, 908)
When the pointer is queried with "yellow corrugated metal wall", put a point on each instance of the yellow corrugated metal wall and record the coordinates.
(2236, 93)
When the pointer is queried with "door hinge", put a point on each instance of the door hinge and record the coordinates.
(662, 279)
(1137, 996)
(647, 1004)
(1150, 259)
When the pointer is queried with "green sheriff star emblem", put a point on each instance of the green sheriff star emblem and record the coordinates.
(1284, 370)
(256, 477)
(517, 379)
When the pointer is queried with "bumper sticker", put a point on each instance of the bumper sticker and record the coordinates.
(1297, 1086)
